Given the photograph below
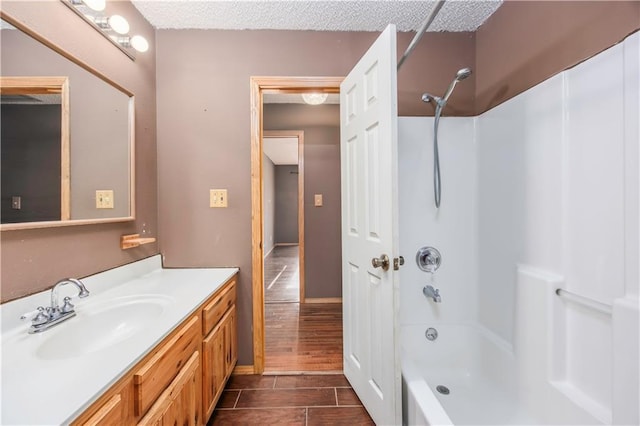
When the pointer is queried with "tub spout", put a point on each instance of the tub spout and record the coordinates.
(432, 293)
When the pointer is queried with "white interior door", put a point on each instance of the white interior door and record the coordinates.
(368, 151)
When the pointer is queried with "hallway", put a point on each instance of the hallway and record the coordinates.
(281, 278)
(299, 337)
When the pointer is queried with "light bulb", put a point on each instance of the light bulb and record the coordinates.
(97, 5)
(139, 43)
(119, 24)
(315, 98)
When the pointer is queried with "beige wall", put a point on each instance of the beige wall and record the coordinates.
(268, 204)
(33, 260)
(204, 128)
(526, 42)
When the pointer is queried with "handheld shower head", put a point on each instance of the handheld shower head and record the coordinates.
(460, 75)
(463, 73)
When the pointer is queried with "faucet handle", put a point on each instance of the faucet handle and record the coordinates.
(67, 306)
(37, 317)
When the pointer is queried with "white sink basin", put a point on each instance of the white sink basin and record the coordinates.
(98, 326)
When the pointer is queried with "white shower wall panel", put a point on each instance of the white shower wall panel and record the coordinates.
(595, 176)
(631, 48)
(595, 226)
(450, 229)
(519, 197)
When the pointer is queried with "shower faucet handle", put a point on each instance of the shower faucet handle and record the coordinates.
(428, 259)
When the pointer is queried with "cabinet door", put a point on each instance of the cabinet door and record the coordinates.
(179, 404)
(152, 378)
(230, 341)
(213, 368)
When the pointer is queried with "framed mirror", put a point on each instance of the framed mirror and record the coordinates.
(66, 142)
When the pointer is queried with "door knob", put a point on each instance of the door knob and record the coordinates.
(381, 262)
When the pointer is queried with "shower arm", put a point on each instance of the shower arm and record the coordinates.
(421, 31)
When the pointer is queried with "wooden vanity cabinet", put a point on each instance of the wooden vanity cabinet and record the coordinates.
(219, 347)
(181, 379)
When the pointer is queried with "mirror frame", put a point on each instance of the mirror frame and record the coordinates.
(65, 177)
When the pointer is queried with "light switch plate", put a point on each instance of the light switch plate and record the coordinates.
(104, 199)
(16, 202)
(317, 200)
(217, 198)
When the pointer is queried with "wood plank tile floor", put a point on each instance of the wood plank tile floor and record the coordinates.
(303, 337)
(298, 337)
(281, 276)
(306, 400)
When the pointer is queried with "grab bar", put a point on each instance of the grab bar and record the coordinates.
(585, 301)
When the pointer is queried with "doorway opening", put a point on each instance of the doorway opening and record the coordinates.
(301, 313)
(283, 215)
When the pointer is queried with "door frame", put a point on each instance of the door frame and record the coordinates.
(259, 85)
(299, 135)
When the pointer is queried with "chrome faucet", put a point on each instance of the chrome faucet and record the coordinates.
(55, 314)
(432, 293)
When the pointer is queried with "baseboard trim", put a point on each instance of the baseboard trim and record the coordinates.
(242, 370)
(302, 372)
(323, 300)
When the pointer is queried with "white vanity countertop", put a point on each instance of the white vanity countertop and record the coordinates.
(49, 389)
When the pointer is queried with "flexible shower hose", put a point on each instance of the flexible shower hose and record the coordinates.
(437, 189)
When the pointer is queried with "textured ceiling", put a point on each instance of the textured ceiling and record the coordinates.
(336, 15)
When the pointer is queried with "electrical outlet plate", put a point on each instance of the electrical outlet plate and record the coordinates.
(217, 198)
(317, 200)
(104, 199)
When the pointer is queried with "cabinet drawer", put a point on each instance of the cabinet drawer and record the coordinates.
(214, 310)
(109, 414)
(156, 374)
(179, 403)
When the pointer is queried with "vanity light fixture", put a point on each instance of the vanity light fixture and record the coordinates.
(137, 42)
(116, 23)
(315, 98)
(115, 27)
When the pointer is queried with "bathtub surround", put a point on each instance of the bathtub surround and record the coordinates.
(539, 193)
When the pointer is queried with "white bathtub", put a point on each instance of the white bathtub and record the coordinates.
(483, 378)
